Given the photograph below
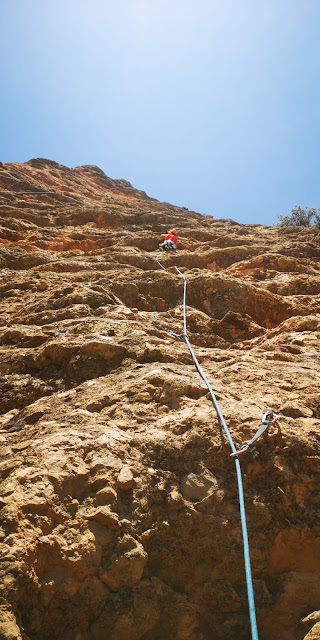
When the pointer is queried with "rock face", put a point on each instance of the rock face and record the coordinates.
(118, 498)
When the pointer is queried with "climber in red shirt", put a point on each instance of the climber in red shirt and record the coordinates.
(170, 242)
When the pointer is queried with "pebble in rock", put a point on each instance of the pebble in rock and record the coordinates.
(125, 479)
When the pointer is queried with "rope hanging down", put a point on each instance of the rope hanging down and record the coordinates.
(252, 612)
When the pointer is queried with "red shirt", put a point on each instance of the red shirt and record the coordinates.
(170, 236)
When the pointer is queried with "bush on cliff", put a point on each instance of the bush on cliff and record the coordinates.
(300, 217)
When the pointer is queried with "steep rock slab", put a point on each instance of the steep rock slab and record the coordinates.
(119, 510)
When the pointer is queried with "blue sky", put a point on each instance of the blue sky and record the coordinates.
(209, 104)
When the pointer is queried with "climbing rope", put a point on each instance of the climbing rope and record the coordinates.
(246, 552)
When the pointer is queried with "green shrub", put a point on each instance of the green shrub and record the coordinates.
(300, 217)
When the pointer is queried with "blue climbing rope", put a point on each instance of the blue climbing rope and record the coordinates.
(246, 552)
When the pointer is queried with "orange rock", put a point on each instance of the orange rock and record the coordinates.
(119, 506)
(104, 515)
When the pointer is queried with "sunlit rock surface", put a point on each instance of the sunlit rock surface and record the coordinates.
(119, 507)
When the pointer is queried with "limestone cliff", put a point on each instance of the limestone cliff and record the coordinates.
(119, 507)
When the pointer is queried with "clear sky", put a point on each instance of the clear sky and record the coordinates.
(209, 104)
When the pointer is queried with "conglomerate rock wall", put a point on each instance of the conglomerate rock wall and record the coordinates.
(118, 498)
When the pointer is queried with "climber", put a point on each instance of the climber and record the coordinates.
(170, 241)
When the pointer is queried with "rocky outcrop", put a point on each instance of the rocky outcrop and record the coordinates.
(118, 500)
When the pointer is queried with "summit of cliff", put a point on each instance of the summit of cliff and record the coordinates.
(119, 513)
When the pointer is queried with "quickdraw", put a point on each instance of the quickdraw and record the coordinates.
(269, 417)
